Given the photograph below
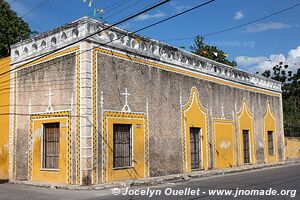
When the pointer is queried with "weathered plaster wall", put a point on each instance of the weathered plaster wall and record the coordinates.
(165, 91)
(4, 117)
(292, 147)
(32, 86)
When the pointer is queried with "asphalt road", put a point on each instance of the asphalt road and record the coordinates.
(275, 183)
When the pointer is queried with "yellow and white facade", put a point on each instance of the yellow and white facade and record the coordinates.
(131, 110)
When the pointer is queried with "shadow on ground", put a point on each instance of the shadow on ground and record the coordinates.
(3, 181)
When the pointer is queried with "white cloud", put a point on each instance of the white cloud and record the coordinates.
(266, 26)
(244, 61)
(238, 15)
(261, 63)
(147, 16)
(293, 58)
(269, 63)
(179, 7)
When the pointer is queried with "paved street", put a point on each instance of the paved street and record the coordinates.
(280, 178)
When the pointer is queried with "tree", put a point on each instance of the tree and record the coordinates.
(211, 52)
(290, 96)
(12, 28)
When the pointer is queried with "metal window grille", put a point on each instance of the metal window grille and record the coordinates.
(51, 146)
(122, 151)
(270, 143)
(246, 146)
(195, 147)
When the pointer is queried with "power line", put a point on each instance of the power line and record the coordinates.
(112, 5)
(129, 6)
(138, 155)
(43, 66)
(251, 22)
(152, 7)
(92, 34)
(123, 3)
(176, 15)
(33, 9)
(118, 3)
(156, 23)
(12, 2)
(239, 26)
(115, 5)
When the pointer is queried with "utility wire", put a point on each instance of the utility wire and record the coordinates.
(123, 3)
(90, 35)
(58, 61)
(251, 22)
(239, 26)
(156, 23)
(129, 6)
(176, 15)
(115, 5)
(12, 2)
(33, 9)
(152, 7)
(118, 4)
(139, 155)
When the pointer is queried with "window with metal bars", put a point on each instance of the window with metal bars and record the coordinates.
(246, 146)
(122, 147)
(195, 147)
(270, 143)
(51, 146)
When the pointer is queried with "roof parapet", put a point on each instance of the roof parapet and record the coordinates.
(122, 39)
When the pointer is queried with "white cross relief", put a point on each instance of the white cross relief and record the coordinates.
(50, 94)
(126, 106)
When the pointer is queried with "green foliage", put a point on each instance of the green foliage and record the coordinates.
(211, 52)
(290, 96)
(12, 28)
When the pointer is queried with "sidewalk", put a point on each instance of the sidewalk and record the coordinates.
(161, 179)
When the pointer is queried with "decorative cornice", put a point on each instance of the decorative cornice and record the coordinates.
(123, 40)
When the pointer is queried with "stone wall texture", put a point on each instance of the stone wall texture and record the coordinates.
(32, 86)
(164, 91)
(292, 147)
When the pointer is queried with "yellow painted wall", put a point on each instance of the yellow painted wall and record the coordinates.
(44, 175)
(292, 147)
(4, 117)
(269, 125)
(138, 152)
(224, 143)
(194, 115)
(245, 121)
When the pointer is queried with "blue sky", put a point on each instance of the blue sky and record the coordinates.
(256, 47)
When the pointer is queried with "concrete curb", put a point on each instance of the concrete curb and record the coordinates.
(152, 181)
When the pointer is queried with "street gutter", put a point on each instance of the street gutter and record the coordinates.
(154, 181)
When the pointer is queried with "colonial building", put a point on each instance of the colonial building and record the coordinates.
(119, 106)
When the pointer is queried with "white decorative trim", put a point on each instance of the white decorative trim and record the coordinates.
(121, 39)
(102, 146)
(49, 107)
(126, 107)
